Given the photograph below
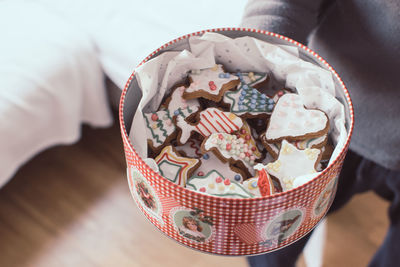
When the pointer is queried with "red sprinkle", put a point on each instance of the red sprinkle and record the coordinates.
(228, 147)
(227, 182)
(218, 179)
(253, 148)
(243, 131)
(200, 173)
(247, 154)
(202, 189)
(154, 117)
(212, 86)
(247, 137)
(221, 136)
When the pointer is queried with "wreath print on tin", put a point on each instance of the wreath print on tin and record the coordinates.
(192, 224)
(282, 226)
(145, 195)
(326, 197)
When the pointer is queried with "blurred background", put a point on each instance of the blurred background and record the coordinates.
(64, 199)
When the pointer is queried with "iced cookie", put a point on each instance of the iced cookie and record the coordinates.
(212, 183)
(230, 148)
(293, 163)
(209, 121)
(210, 161)
(273, 148)
(247, 101)
(210, 83)
(260, 185)
(191, 149)
(177, 105)
(292, 121)
(246, 133)
(253, 79)
(174, 167)
(160, 129)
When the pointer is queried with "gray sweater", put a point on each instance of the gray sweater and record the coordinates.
(361, 40)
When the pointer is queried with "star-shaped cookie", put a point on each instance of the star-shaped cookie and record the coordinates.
(293, 163)
(174, 167)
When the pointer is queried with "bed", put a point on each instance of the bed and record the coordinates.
(56, 55)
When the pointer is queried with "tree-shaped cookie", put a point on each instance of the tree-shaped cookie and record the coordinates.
(247, 101)
(159, 129)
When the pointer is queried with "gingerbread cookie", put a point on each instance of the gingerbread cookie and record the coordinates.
(191, 149)
(210, 161)
(246, 133)
(159, 129)
(212, 183)
(210, 83)
(230, 148)
(292, 121)
(247, 101)
(273, 148)
(174, 167)
(209, 121)
(253, 79)
(293, 163)
(177, 105)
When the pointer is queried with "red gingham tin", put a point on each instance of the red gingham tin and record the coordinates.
(234, 227)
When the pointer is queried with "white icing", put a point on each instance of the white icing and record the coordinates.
(248, 100)
(239, 151)
(293, 163)
(251, 186)
(290, 118)
(201, 80)
(159, 130)
(177, 103)
(174, 167)
(212, 162)
(214, 184)
(212, 120)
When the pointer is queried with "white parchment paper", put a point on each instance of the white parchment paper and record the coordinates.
(314, 84)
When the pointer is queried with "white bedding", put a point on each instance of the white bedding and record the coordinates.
(50, 82)
(54, 54)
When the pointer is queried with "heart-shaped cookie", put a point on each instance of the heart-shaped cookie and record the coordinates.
(290, 120)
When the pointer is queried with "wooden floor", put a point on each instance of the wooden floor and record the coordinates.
(71, 206)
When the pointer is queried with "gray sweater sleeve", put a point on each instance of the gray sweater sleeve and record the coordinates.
(292, 18)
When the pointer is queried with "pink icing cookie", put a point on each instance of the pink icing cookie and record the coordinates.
(291, 121)
(210, 83)
(211, 120)
(292, 163)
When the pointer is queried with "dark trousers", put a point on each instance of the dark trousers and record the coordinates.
(358, 175)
